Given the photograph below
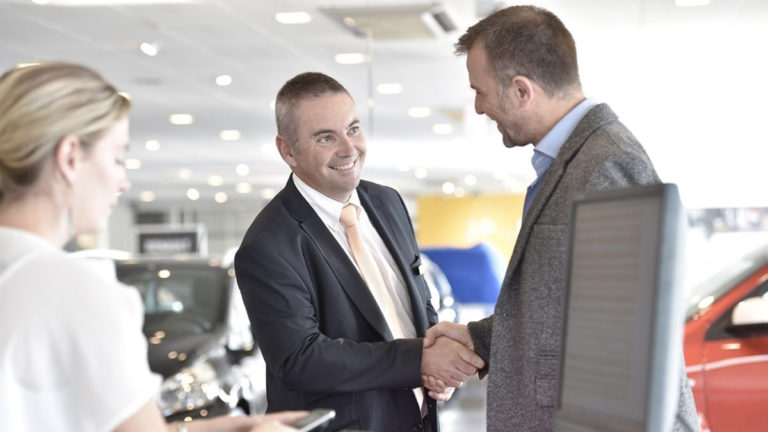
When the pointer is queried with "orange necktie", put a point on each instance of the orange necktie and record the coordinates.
(372, 276)
(370, 271)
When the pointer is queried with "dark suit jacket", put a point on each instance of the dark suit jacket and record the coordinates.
(521, 340)
(325, 341)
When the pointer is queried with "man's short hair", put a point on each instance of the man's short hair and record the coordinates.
(528, 41)
(296, 89)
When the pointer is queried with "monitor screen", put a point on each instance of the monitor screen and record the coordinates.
(623, 312)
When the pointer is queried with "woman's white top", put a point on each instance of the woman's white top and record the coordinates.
(72, 354)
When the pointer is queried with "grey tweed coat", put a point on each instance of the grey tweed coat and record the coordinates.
(521, 340)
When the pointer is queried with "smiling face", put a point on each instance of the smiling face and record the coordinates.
(330, 149)
(100, 180)
(503, 107)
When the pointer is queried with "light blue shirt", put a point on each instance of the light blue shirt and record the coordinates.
(546, 150)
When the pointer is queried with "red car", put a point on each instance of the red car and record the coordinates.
(726, 346)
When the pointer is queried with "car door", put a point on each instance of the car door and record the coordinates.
(736, 362)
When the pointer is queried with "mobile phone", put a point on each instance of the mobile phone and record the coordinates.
(315, 419)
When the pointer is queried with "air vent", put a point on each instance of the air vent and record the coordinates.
(395, 22)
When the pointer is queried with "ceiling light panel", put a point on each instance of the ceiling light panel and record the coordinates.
(181, 119)
(80, 3)
(350, 58)
(298, 17)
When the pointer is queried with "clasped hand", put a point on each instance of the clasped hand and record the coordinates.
(448, 359)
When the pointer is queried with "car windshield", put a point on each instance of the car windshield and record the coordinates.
(707, 292)
(189, 292)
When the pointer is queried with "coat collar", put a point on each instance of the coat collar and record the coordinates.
(596, 117)
(347, 274)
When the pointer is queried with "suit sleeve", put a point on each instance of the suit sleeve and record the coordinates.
(280, 306)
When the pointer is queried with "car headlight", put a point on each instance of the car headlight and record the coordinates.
(193, 387)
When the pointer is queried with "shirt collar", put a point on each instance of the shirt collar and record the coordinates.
(328, 209)
(556, 137)
(546, 150)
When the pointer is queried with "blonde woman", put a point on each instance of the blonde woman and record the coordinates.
(63, 137)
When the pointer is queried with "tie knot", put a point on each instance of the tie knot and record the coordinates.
(348, 216)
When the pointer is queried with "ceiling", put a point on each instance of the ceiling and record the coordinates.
(690, 82)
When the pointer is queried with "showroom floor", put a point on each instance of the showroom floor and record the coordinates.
(465, 412)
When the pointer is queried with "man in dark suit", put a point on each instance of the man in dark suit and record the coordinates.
(522, 65)
(332, 335)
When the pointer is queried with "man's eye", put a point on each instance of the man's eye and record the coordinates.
(354, 130)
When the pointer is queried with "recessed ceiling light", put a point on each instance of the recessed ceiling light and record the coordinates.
(272, 104)
(185, 174)
(298, 17)
(181, 119)
(193, 194)
(459, 192)
(389, 88)
(420, 173)
(268, 193)
(403, 168)
(220, 197)
(470, 180)
(147, 196)
(152, 145)
(78, 3)
(243, 188)
(349, 58)
(242, 169)
(448, 187)
(149, 49)
(442, 128)
(132, 164)
(223, 80)
(26, 64)
(215, 180)
(691, 3)
(419, 112)
(229, 135)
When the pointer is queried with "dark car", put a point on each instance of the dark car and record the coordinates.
(726, 346)
(199, 336)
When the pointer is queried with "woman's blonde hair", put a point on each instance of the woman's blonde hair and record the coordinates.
(43, 103)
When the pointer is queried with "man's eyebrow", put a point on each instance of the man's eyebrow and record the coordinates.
(323, 132)
(354, 122)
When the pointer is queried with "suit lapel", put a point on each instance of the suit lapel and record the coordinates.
(594, 119)
(384, 221)
(338, 261)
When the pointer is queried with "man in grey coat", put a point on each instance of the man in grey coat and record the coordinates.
(522, 65)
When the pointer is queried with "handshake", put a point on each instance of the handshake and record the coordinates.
(448, 359)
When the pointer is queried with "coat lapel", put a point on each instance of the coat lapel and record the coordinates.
(338, 261)
(383, 221)
(594, 119)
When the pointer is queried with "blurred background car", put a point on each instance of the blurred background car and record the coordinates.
(440, 291)
(199, 336)
(726, 345)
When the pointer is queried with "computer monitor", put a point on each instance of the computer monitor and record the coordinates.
(622, 335)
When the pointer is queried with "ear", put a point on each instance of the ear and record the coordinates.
(522, 89)
(286, 150)
(67, 157)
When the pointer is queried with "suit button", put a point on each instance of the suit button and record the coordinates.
(418, 428)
